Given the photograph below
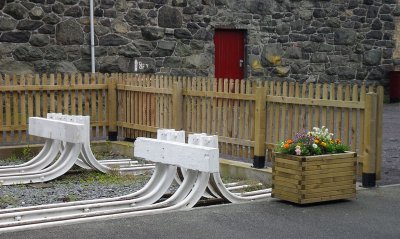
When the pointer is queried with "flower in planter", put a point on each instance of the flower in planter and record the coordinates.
(316, 142)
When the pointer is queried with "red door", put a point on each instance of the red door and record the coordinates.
(229, 54)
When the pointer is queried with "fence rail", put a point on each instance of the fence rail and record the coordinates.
(249, 117)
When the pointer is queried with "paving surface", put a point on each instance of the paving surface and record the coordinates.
(391, 145)
(374, 214)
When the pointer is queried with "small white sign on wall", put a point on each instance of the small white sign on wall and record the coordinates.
(140, 66)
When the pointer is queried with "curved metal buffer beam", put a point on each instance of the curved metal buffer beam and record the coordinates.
(85, 164)
(201, 161)
(42, 160)
(151, 192)
(57, 130)
(216, 187)
(87, 159)
(207, 141)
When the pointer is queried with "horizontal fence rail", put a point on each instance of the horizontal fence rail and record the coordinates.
(23, 96)
(249, 117)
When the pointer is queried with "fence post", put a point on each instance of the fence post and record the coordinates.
(370, 142)
(112, 107)
(177, 105)
(259, 128)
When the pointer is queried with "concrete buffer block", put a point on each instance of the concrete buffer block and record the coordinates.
(203, 140)
(171, 135)
(201, 158)
(56, 129)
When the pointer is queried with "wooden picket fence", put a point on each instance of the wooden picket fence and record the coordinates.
(24, 96)
(249, 117)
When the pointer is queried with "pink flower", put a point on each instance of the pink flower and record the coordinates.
(298, 150)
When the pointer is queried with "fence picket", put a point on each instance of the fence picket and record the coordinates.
(152, 102)
(236, 116)
(310, 108)
(59, 95)
(73, 94)
(87, 93)
(290, 118)
(93, 105)
(66, 95)
(100, 104)
(45, 100)
(250, 90)
(270, 113)
(209, 118)
(23, 109)
(170, 107)
(277, 123)
(198, 106)
(303, 107)
(225, 106)
(203, 102)
(317, 115)
(146, 103)
(8, 110)
(219, 110)
(37, 96)
(346, 116)
(79, 92)
(323, 110)
(353, 130)
(29, 79)
(283, 109)
(331, 114)
(15, 108)
(296, 110)
(338, 113)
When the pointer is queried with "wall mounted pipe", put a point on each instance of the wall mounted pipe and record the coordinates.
(92, 50)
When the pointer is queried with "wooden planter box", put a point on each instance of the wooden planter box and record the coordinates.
(309, 179)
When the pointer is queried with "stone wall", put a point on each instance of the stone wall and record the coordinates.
(302, 40)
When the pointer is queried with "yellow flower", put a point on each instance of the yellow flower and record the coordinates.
(323, 144)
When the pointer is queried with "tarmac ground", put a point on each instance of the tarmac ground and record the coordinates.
(374, 214)
(391, 145)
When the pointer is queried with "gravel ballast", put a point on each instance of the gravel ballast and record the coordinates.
(78, 184)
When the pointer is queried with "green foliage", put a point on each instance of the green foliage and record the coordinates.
(19, 154)
(7, 200)
(316, 142)
(86, 177)
(70, 198)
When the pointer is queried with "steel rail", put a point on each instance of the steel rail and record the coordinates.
(185, 197)
(60, 167)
